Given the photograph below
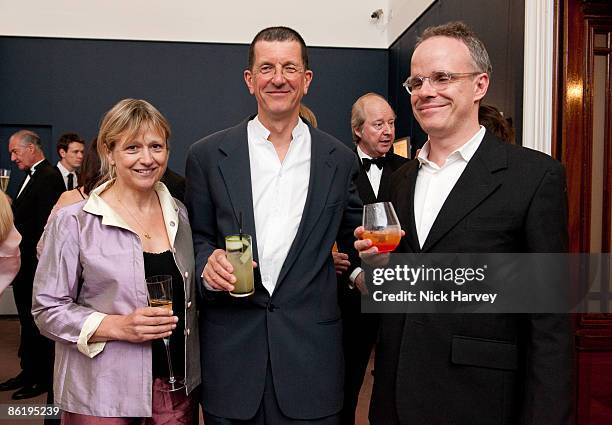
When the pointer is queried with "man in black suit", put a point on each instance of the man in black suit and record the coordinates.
(274, 357)
(38, 193)
(70, 148)
(373, 128)
(470, 192)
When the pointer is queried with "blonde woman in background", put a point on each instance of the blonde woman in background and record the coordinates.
(10, 258)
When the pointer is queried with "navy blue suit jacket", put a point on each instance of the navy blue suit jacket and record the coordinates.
(297, 330)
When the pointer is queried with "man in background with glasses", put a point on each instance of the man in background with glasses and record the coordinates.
(469, 192)
(274, 357)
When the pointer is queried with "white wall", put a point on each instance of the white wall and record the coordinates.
(402, 14)
(338, 23)
(334, 23)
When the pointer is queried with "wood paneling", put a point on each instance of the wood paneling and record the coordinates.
(588, 193)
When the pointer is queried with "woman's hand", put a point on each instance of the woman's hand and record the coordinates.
(143, 324)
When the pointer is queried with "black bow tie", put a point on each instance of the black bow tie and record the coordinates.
(379, 162)
(30, 172)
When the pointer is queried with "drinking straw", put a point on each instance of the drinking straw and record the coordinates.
(240, 231)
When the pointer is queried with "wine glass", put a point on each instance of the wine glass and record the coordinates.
(160, 295)
(5, 175)
(381, 226)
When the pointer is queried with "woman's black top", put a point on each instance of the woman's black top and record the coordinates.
(163, 264)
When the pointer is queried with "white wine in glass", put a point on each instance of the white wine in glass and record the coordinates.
(160, 295)
(5, 176)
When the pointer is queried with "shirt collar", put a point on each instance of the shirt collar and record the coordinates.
(63, 169)
(33, 167)
(363, 155)
(262, 133)
(97, 206)
(465, 152)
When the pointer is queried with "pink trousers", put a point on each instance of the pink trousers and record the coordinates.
(169, 408)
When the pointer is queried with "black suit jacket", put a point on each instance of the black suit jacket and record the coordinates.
(33, 206)
(366, 193)
(297, 330)
(480, 369)
(175, 184)
(350, 299)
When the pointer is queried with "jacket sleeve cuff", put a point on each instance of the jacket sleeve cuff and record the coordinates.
(353, 276)
(90, 326)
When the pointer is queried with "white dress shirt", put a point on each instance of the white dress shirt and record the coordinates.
(374, 173)
(434, 183)
(27, 179)
(65, 172)
(279, 195)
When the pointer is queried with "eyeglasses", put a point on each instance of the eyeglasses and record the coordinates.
(438, 80)
(288, 71)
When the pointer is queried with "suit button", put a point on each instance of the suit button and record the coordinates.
(271, 307)
(187, 331)
(189, 304)
(187, 274)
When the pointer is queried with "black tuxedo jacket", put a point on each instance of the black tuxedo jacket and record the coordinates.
(33, 206)
(297, 330)
(350, 299)
(366, 193)
(480, 369)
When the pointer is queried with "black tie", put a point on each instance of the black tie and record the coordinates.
(70, 181)
(30, 172)
(379, 162)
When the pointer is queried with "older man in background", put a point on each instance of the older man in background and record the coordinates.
(42, 186)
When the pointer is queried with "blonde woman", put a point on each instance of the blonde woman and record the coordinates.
(90, 290)
(10, 258)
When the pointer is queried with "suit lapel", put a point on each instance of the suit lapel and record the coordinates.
(235, 169)
(385, 182)
(364, 187)
(322, 171)
(405, 206)
(21, 193)
(475, 184)
(26, 190)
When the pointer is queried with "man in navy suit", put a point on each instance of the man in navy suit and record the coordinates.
(38, 193)
(470, 192)
(274, 357)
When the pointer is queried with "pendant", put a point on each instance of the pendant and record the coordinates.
(146, 235)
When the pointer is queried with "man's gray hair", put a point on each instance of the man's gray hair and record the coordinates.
(358, 114)
(28, 137)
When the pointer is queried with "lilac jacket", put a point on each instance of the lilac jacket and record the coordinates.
(92, 263)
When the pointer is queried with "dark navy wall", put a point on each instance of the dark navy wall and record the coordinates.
(68, 84)
(500, 24)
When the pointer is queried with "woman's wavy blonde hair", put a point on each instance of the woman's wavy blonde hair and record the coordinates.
(6, 217)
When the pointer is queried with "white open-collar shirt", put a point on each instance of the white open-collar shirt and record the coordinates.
(279, 195)
(434, 183)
